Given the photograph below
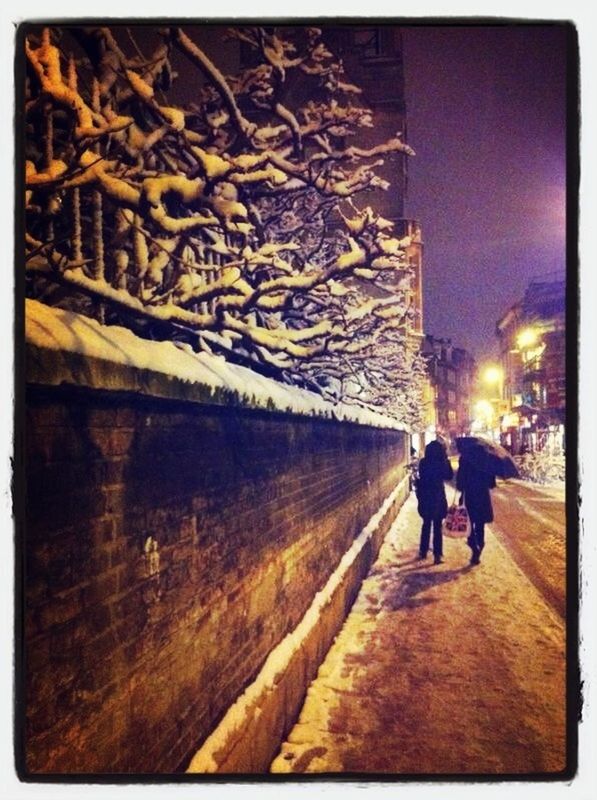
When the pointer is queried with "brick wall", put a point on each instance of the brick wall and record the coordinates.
(167, 548)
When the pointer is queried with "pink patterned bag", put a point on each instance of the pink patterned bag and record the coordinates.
(456, 523)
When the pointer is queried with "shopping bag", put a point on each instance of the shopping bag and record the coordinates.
(456, 523)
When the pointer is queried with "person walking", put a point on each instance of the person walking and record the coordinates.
(434, 469)
(475, 484)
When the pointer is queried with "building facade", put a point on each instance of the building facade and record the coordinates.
(373, 57)
(452, 372)
(532, 339)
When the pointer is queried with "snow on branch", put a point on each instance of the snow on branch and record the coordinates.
(236, 218)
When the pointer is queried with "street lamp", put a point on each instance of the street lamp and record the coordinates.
(494, 376)
(527, 337)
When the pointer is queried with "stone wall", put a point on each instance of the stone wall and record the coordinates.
(168, 547)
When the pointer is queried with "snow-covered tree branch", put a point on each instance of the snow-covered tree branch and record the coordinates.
(239, 217)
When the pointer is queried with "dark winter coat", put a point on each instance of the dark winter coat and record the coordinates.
(431, 494)
(475, 486)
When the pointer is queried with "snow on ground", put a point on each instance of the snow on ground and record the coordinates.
(531, 523)
(532, 507)
(438, 669)
(55, 329)
(278, 661)
(557, 490)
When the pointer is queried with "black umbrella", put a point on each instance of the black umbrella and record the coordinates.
(488, 456)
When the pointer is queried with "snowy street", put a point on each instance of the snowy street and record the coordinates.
(531, 521)
(449, 668)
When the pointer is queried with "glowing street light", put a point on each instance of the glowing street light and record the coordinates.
(528, 337)
(493, 375)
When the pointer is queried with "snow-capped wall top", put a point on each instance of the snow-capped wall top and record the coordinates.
(117, 359)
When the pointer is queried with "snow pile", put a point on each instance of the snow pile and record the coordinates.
(248, 704)
(55, 329)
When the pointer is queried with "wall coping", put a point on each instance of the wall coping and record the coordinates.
(66, 348)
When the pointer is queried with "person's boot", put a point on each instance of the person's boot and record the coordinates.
(475, 557)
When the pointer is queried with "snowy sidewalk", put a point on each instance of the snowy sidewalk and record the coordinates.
(438, 669)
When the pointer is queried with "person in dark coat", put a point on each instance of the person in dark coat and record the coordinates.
(475, 484)
(434, 469)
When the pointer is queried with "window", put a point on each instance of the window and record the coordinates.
(368, 42)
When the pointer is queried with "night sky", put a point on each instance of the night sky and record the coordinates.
(487, 118)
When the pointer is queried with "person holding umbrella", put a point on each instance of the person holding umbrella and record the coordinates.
(434, 469)
(480, 462)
